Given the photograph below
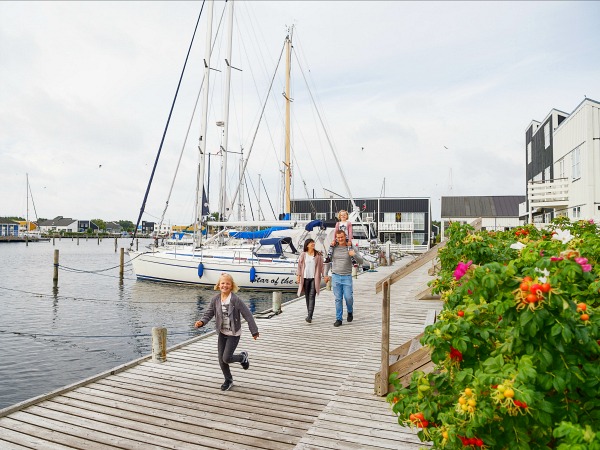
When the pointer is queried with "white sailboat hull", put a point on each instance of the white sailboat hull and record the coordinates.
(177, 266)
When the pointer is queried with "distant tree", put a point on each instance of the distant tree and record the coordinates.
(89, 231)
(126, 225)
(41, 219)
(100, 224)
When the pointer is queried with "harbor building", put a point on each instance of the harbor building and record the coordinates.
(562, 160)
(497, 213)
(8, 227)
(404, 222)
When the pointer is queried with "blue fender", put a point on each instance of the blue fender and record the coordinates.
(200, 270)
(252, 274)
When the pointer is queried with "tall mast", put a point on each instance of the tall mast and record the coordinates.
(27, 218)
(288, 167)
(203, 125)
(224, 148)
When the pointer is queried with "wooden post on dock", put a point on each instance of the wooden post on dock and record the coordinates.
(77, 240)
(136, 244)
(277, 302)
(159, 344)
(382, 387)
(55, 276)
(26, 241)
(115, 245)
(121, 262)
(53, 240)
(98, 240)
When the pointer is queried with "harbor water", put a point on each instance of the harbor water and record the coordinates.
(92, 322)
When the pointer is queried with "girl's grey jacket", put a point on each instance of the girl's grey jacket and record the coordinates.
(236, 307)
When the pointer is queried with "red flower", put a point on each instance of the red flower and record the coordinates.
(455, 354)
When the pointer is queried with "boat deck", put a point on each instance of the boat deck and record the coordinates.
(309, 386)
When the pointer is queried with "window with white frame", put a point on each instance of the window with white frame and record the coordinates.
(547, 135)
(576, 163)
(418, 238)
(406, 239)
(418, 219)
(389, 237)
(529, 152)
(561, 169)
(300, 216)
(389, 217)
(367, 217)
(576, 214)
(321, 216)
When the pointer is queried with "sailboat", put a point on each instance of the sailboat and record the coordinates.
(30, 235)
(267, 263)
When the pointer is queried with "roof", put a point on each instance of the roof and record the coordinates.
(57, 222)
(6, 220)
(482, 206)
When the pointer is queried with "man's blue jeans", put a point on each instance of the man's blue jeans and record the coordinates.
(342, 288)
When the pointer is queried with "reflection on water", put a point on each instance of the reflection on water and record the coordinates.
(91, 322)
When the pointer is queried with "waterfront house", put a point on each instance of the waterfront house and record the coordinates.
(84, 225)
(8, 227)
(496, 212)
(403, 221)
(58, 224)
(113, 228)
(562, 165)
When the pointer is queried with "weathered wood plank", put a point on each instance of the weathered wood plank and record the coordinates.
(308, 386)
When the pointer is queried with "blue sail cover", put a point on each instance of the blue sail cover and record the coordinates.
(261, 234)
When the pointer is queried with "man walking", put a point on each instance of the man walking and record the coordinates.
(341, 279)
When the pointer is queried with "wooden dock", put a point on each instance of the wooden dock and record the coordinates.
(309, 386)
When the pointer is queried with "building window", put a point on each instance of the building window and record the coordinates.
(547, 174)
(547, 135)
(321, 216)
(367, 217)
(389, 237)
(300, 216)
(419, 238)
(575, 163)
(561, 168)
(389, 217)
(418, 219)
(529, 152)
(576, 212)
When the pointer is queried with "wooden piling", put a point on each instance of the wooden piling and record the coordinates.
(136, 244)
(115, 245)
(77, 240)
(55, 276)
(159, 344)
(277, 302)
(98, 240)
(121, 262)
(53, 240)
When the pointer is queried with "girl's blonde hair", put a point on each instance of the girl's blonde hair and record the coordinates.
(234, 286)
(340, 214)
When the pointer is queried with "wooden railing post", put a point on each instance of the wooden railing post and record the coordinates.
(382, 383)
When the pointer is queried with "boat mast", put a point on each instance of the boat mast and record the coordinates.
(27, 217)
(288, 167)
(203, 127)
(224, 148)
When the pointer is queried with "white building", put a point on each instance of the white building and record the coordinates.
(563, 165)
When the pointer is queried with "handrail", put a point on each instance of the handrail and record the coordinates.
(384, 285)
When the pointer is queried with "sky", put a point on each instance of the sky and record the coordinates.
(414, 99)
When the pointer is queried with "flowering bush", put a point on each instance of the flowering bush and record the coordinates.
(517, 344)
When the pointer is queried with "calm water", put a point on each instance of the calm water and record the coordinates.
(92, 322)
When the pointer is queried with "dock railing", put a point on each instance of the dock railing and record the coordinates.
(384, 286)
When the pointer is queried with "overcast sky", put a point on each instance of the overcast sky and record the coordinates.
(420, 99)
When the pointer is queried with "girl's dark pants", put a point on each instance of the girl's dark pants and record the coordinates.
(226, 347)
(309, 293)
